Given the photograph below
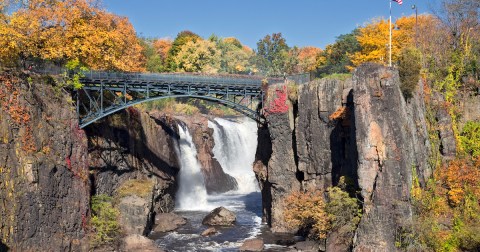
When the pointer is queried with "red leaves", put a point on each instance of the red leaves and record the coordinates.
(279, 104)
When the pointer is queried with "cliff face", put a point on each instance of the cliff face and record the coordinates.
(387, 156)
(44, 186)
(359, 128)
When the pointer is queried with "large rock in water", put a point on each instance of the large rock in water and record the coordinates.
(133, 243)
(166, 222)
(220, 216)
(252, 245)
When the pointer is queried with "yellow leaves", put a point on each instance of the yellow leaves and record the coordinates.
(71, 29)
(305, 209)
(198, 56)
(374, 38)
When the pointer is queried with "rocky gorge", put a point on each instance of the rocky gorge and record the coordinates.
(359, 128)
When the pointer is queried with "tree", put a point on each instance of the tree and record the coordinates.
(307, 59)
(70, 30)
(272, 54)
(234, 57)
(373, 39)
(182, 38)
(198, 56)
(335, 58)
(409, 67)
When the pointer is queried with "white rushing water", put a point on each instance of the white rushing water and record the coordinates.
(191, 194)
(235, 146)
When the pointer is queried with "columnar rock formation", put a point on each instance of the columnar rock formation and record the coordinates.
(360, 128)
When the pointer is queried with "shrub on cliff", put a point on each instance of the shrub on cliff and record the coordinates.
(104, 220)
(310, 212)
(448, 210)
(306, 210)
(470, 138)
(409, 67)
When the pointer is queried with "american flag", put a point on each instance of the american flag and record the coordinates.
(398, 1)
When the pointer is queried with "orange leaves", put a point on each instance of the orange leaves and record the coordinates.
(162, 46)
(340, 113)
(71, 29)
(11, 103)
(307, 209)
(307, 58)
(460, 177)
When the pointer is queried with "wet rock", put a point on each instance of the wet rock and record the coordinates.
(308, 246)
(209, 231)
(166, 222)
(216, 180)
(220, 217)
(134, 212)
(252, 245)
(133, 243)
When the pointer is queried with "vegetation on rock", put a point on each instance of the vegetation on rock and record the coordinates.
(104, 220)
(318, 213)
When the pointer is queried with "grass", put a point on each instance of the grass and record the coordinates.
(338, 76)
(139, 187)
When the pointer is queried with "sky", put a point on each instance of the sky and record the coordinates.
(301, 22)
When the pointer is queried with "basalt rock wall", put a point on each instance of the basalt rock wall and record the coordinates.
(360, 128)
(44, 186)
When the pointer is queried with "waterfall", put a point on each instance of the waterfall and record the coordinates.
(191, 194)
(235, 146)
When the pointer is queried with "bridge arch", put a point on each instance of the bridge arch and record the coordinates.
(105, 93)
(253, 114)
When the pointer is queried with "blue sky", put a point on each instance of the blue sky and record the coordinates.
(302, 22)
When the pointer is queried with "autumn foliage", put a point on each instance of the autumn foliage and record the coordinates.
(278, 103)
(60, 31)
(12, 104)
(307, 210)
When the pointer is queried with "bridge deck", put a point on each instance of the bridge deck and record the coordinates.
(189, 79)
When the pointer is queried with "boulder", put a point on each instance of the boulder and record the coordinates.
(134, 214)
(220, 216)
(137, 242)
(166, 222)
(306, 246)
(252, 245)
(209, 231)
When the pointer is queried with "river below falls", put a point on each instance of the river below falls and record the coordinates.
(248, 209)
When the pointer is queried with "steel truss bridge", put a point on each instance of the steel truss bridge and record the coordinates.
(104, 93)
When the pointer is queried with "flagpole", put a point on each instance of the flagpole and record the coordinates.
(390, 42)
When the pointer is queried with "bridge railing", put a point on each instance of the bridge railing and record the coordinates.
(175, 77)
(191, 78)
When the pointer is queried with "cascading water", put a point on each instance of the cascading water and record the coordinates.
(235, 145)
(191, 194)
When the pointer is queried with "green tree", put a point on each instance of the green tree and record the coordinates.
(336, 57)
(272, 55)
(234, 57)
(409, 67)
(154, 62)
